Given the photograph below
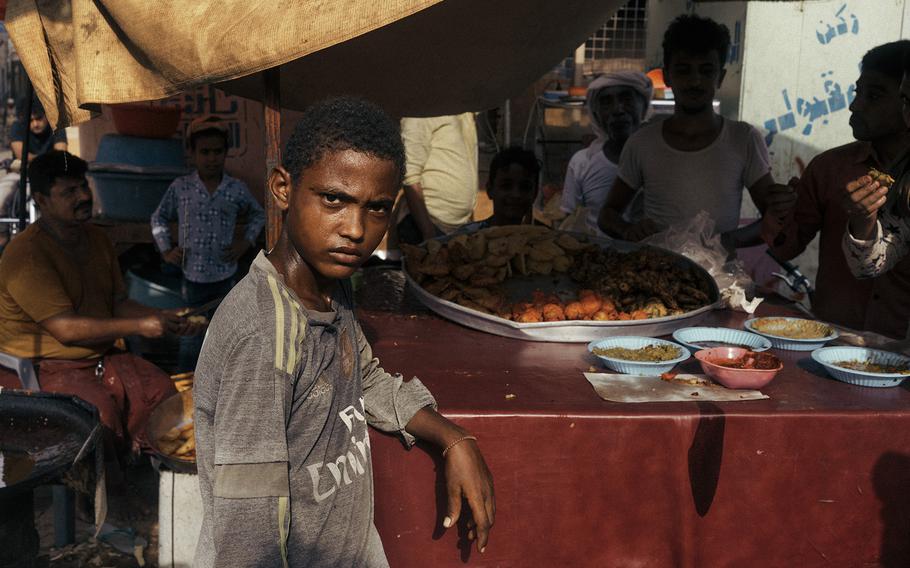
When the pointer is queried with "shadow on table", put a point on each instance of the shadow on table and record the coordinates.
(891, 478)
(705, 456)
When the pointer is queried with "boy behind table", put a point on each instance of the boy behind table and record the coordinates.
(880, 304)
(696, 159)
(512, 187)
(286, 382)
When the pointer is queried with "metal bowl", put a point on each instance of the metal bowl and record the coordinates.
(176, 410)
(571, 331)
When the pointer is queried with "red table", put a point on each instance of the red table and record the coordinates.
(817, 475)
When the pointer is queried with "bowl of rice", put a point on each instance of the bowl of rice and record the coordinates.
(863, 366)
(634, 355)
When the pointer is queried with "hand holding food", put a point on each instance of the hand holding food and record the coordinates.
(781, 199)
(862, 199)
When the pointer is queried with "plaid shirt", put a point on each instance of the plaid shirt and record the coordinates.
(206, 224)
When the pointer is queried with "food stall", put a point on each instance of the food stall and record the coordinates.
(812, 472)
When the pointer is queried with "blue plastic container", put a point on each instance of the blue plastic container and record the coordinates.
(128, 197)
(145, 152)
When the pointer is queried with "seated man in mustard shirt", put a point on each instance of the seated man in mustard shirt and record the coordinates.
(63, 304)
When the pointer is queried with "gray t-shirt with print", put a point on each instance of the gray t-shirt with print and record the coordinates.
(283, 397)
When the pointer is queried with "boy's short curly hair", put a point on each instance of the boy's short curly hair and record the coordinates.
(696, 35)
(343, 123)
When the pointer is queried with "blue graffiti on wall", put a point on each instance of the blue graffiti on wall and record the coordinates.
(839, 27)
(808, 111)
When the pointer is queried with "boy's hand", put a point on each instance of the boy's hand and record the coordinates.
(781, 199)
(180, 325)
(468, 477)
(153, 325)
(237, 249)
(173, 256)
(641, 230)
(862, 199)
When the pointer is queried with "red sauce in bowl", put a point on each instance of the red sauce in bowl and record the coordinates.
(751, 360)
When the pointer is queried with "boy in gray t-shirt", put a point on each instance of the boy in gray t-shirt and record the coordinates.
(286, 382)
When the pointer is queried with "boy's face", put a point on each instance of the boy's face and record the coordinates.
(513, 192)
(69, 201)
(877, 110)
(620, 109)
(694, 79)
(340, 209)
(209, 155)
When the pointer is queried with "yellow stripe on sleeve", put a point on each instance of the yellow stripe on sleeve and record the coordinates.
(279, 323)
(283, 529)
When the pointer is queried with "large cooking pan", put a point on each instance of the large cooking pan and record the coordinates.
(42, 435)
(175, 411)
(566, 331)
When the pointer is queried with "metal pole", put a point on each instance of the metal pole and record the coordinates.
(22, 213)
(272, 108)
(507, 123)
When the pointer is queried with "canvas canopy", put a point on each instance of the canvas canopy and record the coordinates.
(414, 57)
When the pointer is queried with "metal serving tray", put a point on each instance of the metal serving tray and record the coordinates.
(520, 289)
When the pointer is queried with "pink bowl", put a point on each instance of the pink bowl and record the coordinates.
(734, 378)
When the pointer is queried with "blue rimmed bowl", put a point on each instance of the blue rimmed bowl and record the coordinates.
(828, 356)
(710, 337)
(651, 369)
(789, 343)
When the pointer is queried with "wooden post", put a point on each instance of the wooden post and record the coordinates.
(271, 105)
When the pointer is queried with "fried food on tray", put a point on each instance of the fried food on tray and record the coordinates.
(179, 442)
(882, 178)
(647, 283)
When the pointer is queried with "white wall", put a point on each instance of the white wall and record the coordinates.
(801, 63)
(732, 15)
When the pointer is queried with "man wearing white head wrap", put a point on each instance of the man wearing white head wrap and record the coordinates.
(617, 103)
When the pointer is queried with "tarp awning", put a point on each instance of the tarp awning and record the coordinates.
(414, 57)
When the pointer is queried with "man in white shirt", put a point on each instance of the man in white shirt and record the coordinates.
(617, 103)
(696, 159)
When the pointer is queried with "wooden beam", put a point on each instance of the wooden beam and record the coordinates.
(272, 107)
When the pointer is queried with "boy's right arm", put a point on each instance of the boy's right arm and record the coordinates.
(788, 237)
(241, 440)
(161, 218)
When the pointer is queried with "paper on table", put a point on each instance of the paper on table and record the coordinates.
(635, 388)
